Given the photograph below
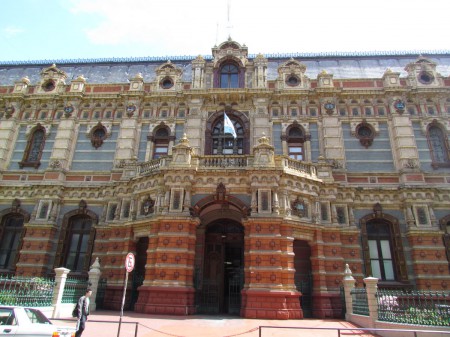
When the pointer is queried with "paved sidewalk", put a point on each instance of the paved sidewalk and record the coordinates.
(207, 326)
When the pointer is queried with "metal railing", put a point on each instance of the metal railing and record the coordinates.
(75, 288)
(414, 307)
(32, 292)
(357, 331)
(360, 303)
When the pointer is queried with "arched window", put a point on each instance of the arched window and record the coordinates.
(35, 147)
(225, 143)
(98, 136)
(295, 139)
(11, 231)
(229, 76)
(382, 247)
(380, 251)
(77, 243)
(76, 239)
(438, 147)
(161, 140)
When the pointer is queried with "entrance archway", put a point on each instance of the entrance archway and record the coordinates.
(303, 276)
(222, 278)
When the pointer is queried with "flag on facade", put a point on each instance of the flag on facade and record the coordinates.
(228, 126)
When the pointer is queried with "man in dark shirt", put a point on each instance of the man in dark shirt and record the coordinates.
(83, 312)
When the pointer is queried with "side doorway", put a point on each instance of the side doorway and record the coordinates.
(139, 269)
(303, 275)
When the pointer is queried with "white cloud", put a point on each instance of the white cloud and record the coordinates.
(11, 31)
(181, 27)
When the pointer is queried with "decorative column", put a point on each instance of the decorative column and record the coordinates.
(349, 285)
(60, 283)
(371, 289)
(94, 278)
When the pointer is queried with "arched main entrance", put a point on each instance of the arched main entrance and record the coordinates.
(222, 278)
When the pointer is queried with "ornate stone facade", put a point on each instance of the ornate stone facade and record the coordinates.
(336, 160)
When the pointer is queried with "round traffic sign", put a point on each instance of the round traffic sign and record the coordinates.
(129, 262)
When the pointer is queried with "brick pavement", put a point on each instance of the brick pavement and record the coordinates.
(207, 326)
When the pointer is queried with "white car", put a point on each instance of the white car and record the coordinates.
(29, 322)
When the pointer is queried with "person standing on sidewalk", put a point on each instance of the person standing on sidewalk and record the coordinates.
(83, 312)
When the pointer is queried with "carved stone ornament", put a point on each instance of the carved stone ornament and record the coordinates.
(399, 106)
(148, 206)
(365, 133)
(131, 108)
(9, 111)
(411, 164)
(68, 109)
(16, 205)
(55, 164)
(298, 208)
(329, 108)
(82, 205)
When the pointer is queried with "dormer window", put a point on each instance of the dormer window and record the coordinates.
(166, 83)
(49, 86)
(292, 81)
(426, 77)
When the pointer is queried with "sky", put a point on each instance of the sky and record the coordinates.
(92, 29)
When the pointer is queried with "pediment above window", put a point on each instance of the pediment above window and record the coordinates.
(230, 50)
(52, 79)
(422, 73)
(291, 75)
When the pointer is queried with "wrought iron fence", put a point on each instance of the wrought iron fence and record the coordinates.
(359, 299)
(32, 292)
(75, 288)
(414, 307)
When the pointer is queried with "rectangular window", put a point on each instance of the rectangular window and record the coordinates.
(368, 111)
(111, 214)
(355, 111)
(342, 111)
(296, 152)
(313, 111)
(44, 209)
(381, 111)
(264, 201)
(324, 211)
(126, 209)
(176, 200)
(341, 215)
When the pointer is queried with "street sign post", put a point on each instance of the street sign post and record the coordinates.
(129, 266)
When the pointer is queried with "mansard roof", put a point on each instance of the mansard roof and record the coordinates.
(120, 70)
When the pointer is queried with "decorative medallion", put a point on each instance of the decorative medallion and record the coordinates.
(298, 208)
(68, 109)
(399, 106)
(131, 108)
(329, 107)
